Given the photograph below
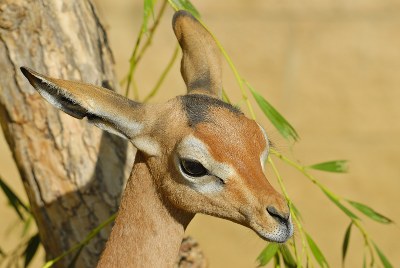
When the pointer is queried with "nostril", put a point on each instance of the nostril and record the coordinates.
(280, 216)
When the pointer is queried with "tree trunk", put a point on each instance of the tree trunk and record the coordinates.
(72, 172)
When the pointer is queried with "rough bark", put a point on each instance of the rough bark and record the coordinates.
(73, 173)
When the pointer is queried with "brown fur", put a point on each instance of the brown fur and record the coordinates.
(160, 200)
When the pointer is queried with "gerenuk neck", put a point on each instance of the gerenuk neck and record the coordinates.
(147, 231)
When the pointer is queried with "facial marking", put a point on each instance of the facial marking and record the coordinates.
(194, 149)
(198, 108)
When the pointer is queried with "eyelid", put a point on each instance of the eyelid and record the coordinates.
(190, 159)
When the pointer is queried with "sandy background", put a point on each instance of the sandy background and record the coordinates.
(331, 67)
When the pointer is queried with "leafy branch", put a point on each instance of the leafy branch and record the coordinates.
(136, 55)
(28, 245)
(289, 133)
(79, 246)
(291, 254)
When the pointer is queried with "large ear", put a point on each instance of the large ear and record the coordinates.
(201, 63)
(102, 107)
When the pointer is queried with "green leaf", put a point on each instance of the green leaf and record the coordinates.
(372, 214)
(281, 124)
(31, 248)
(277, 261)
(225, 97)
(346, 241)
(184, 5)
(364, 261)
(267, 254)
(296, 211)
(27, 224)
(13, 199)
(72, 264)
(383, 258)
(316, 252)
(336, 201)
(81, 244)
(339, 166)
(49, 263)
(287, 257)
(148, 7)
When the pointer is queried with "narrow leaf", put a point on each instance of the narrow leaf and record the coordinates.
(372, 214)
(267, 254)
(296, 211)
(346, 241)
(225, 97)
(316, 252)
(364, 261)
(184, 5)
(27, 224)
(72, 264)
(383, 258)
(13, 199)
(339, 166)
(31, 249)
(281, 124)
(148, 8)
(277, 261)
(81, 244)
(337, 203)
(287, 257)
(49, 263)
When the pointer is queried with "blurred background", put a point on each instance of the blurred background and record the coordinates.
(332, 68)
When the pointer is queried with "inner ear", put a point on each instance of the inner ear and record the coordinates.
(55, 95)
(201, 63)
(102, 107)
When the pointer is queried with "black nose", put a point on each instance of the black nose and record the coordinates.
(282, 217)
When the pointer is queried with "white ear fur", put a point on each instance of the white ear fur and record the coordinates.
(264, 154)
(147, 145)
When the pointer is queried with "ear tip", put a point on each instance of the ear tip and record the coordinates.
(28, 72)
(25, 71)
(180, 14)
(179, 17)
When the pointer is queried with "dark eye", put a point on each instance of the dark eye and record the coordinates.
(193, 168)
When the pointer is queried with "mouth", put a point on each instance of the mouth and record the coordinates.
(280, 234)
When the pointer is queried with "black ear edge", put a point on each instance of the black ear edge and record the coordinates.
(30, 74)
(53, 94)
(25, 71)
(71, 108)
(180, 14)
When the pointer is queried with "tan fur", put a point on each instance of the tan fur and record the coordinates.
(160, 199)
(148, 230)
(201, 59)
